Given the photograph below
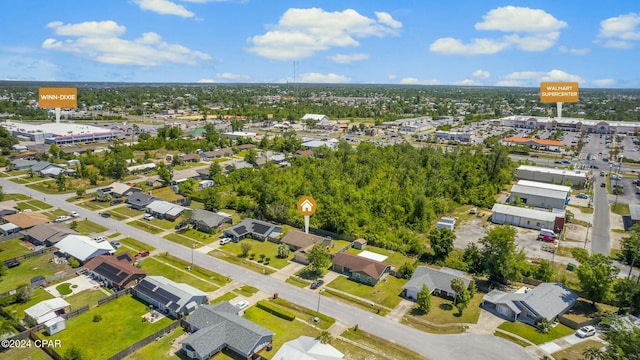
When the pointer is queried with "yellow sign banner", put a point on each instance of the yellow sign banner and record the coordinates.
(558, 92)
(58, 98)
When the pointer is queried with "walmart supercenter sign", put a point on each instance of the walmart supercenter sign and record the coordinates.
(558, 92)
(58, 98)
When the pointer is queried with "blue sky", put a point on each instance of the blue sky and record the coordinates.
(454, 42)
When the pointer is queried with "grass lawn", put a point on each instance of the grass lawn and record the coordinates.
(28, 268)
(16, 197)
(566, 276)
(87, 297)
(363, 304)
(513, 339)
(296, 281)
(159, 349)
(305, 314)
(620, 209)
(206, 274)
(126, 211)
(145, 226)
(35, 205)
(166, 194)
(382, 346)
(64, 289)
(226, 297)
(420, 324)
(443, 311)
(198, 235)
(575, 352)
(385, 293)
(89, 227)
(531, 333)
(338, 245)
(355, 352)
(31, 353)
(246, 290)
(395, 258)
(179, 239)
(114, 235)
(245, 263)
(39, 295)
(94, 204)
(120, 327)
(49, 187)
(163, 223)
(155, 267)
(135, 244)
(259, 247)
(285, 330)
(12, 248)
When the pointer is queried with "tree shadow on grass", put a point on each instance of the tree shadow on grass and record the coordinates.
(446, 307)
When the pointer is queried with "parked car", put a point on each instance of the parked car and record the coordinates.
(586, 331)
(225, 240)
(603, 185)
(116, 244)
(60, 219)
(546, 238)
(316, 284)
(582, 196)
(148, 217)
(473, 210)
(181, 225)
(105, 215)
(143, 253)
(116, 202)
(100, 239)
(74, 214)
(242, 304)
(11, 263)
(38, 278)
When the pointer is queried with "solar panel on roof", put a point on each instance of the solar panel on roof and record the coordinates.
(145, 285)
(174, 306)
(110, 272)
(260, 228)
(164, 293)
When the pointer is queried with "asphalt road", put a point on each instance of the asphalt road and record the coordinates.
(600, 239)
(446, 347)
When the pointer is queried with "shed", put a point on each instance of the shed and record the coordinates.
(359, 244)
(55, 325)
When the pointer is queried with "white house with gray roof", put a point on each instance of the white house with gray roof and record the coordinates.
(170, 297)
(165, 210)
(216, 327)
(207, 221)
(437, 280)
(547, 300)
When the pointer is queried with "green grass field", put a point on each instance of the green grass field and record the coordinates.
(245, 263)
(127, 211)
(381, 346)
(35, 205)
(258, 247)
(198, 236)
(135, 244)
(205, 274)
(144, 225)
(16, 197)
(18, 309)
(154, 267)
(89, 227)
(532, 334)
(159, 349)
(385, 293)
(120, 327)
(443, 312)
(12, 248)
(87, 297)
(179, 239)
(28, 268)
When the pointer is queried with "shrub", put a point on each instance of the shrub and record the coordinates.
(97, 318)
(271, 309)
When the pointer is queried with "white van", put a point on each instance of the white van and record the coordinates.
(547, 232)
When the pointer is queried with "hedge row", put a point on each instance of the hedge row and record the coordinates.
(270, 308)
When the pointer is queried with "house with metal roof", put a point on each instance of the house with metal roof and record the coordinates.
(207, 221)
(360, 268)
(307, 348)
(634, 211)
(547, 300)
(527, 217)
(537, 196)
(256, 229)
(165, 210)
(437, 280)
(84, 248)
(169, 297)
(46, 310)
(116, 271)
(218, 327)
(47, 234)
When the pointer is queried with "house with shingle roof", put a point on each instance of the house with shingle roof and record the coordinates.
(140, 200)
(256, 229)
(437, 280)
(165, 210)
(8, 207)
(26, 220)
(301, 243)
(547, 300)
(360, 268)
(169, 297)
(207, 221)
(217, 327)
(47, 234)
(116, 271)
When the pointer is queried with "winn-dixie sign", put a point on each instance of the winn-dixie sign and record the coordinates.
(558, 92)
(58, 98)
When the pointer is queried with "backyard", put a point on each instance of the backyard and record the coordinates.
(28, 268)
(12, 248)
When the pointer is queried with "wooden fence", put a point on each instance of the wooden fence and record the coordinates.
(120, 293)
(147, 340)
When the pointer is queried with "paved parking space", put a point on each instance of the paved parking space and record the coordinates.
(77, 284)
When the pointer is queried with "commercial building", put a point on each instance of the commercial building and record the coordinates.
(61, 133)
(539, 196)
(551, 175)
(527, 217)
(570, 124)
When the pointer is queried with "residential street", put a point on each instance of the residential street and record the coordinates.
(455, 347)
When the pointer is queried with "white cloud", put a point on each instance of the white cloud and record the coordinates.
(466, 82)
(620, 32)
(300, 33)
(107, 28)
(99, 45)
(164, 7)
(206, 81)
(603, 82)
(233, 77)
(533, 78)
(574, 51)
(321, 78)
(527, 29)
(347, 58)
(414, 81)
(481, 74)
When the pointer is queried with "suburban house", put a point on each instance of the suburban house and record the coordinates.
(26, 220)
(253, 228)
(165, 210)
(8, 207)
(116, 271)
(224, 152)
(359, 244)
(84, 248)
(22, 164)
(8, 229)
(172, 298)
(547, 300)
(634, 216)
(184, 175)
(141, 168)
(47, 169)
(300, 243)
(245, 147)
(46, 310)
(203, 184)
(437, 280)
(528, 218)
(190, 157)
(117, 189)
(360, 268)
(47, 234)
(207, 221)
(304, 153)
(218, 327)
(307, 348)
(446, 223)
(140, 200)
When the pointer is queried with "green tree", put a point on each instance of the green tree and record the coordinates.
(325, 337)
(463, 300)
(544, 271)
(80, 192)
(623, 341)
(251, 156)
(187, 216)
(424, 299)
(54, 151)
(592, 353)
(627, 293)
(319, 258)
(406, 270)
(596, 277)
(630, 246)
(543, 325)
(441, 241)
(283, 251)
(165, 174)
(245, 247)
(457, 285)
(73, 225)
(24, 293)
(73, 353)
(474, 259)
(211, 198)
(503, 262)
(61, 181)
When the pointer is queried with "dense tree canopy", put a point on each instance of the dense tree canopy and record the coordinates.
(503, 262)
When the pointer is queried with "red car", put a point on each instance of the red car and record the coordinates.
(546, 238)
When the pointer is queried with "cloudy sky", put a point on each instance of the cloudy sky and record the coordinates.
(455, 42)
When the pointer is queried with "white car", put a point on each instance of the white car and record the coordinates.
(148, 217)
(100, 239)
(586, 331)
(74, 214)
(242, 304)
(225, 241)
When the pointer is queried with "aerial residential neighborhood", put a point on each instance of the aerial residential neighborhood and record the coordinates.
(263, 180)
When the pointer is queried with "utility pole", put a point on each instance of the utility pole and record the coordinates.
(587, 236)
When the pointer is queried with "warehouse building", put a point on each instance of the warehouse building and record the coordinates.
(528, 218)
(551, 175)
(539, 196)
